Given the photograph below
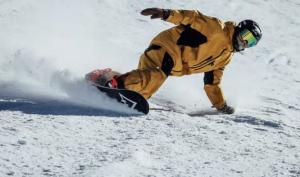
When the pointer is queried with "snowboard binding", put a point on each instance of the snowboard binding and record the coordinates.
(103, 77)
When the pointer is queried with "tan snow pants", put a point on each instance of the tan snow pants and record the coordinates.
(149, 76)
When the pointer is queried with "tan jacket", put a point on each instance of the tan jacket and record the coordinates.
(199, 44)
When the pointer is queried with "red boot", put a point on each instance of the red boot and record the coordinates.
(104, 77)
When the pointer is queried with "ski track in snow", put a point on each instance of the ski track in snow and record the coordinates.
(53, 124)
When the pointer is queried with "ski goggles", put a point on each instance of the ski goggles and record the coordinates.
(249, 38)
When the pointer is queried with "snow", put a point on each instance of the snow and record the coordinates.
(54, 124)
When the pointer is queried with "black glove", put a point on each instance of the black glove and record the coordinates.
(226, 109)
(157, 13)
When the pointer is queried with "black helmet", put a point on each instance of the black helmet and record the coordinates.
(252, 26)
(243, 28)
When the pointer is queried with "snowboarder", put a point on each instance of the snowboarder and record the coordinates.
(198, 44)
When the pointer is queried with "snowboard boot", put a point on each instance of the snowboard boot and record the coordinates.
(104, 77)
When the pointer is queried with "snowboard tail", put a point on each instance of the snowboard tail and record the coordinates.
(130, 98)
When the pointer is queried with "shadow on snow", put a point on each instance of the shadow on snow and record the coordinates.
(55, 107)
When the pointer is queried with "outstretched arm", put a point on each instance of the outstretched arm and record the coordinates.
(177, 17)
(212, 87)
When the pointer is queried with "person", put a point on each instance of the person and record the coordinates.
(197, 44)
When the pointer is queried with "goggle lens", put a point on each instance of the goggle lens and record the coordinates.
(248, 36)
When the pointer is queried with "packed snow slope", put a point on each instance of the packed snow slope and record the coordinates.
(52, 123)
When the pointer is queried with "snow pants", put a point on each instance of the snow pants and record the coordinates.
(154, 67)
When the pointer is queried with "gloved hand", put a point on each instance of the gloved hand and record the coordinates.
(156, 13)
(227, 109)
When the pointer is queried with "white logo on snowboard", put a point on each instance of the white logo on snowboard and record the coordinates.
(124, 100)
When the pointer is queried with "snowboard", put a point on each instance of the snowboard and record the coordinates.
(132, 99)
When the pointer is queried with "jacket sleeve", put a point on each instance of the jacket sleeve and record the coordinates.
(212, 87)
(185, 17)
